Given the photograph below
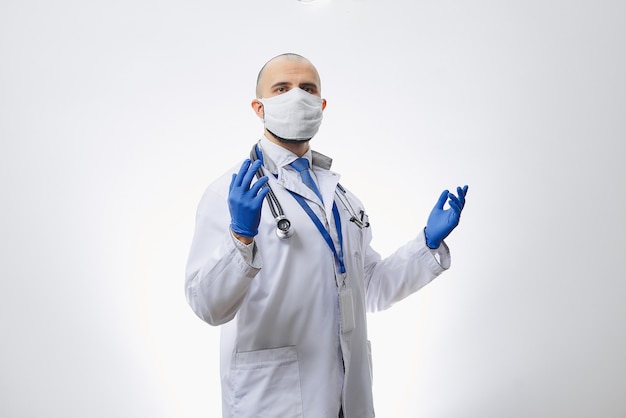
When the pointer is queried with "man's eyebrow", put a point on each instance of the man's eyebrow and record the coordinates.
(280, 84)
(310, 85)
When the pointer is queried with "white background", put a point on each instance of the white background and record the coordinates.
(115, 115)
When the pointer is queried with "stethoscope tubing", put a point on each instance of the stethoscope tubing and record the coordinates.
(283, 225)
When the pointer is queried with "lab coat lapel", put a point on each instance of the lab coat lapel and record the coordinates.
(327, 183)
(291, 181)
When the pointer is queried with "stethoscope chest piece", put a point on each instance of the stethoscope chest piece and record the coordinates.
(283, 227)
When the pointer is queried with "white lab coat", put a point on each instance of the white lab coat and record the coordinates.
(289, 347)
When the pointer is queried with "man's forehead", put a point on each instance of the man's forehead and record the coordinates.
(283, 69)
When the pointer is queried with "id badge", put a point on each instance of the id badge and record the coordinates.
(346, 305)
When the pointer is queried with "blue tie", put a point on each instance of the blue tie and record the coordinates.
(301, 165)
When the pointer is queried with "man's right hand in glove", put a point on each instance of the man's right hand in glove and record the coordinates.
(245, 202)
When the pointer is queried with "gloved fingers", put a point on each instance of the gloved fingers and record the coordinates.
(249, 175)
(254, 190)
(462, 192)
(455, 204)
(442, 199)
(232, 182)
(238, 178)
(262, 193)
(456, 201)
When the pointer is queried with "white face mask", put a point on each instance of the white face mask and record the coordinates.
(295, 115)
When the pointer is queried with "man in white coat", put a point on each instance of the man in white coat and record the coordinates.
(293, 308)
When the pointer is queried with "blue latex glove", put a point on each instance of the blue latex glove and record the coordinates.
(245, 202)
(441, 222)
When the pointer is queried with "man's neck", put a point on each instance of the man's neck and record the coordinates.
(298, 148)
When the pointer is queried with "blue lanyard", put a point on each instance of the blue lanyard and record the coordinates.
(325, 234)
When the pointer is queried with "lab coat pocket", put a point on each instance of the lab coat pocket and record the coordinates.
(266, 384)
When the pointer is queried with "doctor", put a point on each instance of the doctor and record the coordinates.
(293, 311)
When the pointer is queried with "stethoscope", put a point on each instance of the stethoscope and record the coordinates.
(284, 229)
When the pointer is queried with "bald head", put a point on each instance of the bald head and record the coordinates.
(283, 60)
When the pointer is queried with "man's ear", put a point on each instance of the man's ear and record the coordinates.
(257, 106)
(323, 104)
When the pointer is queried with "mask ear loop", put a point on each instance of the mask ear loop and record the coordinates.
(283, 225)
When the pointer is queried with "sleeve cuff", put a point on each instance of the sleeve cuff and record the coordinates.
(441, 254)
(248, 252)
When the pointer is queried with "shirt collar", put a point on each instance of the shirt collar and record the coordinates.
(275, 156)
